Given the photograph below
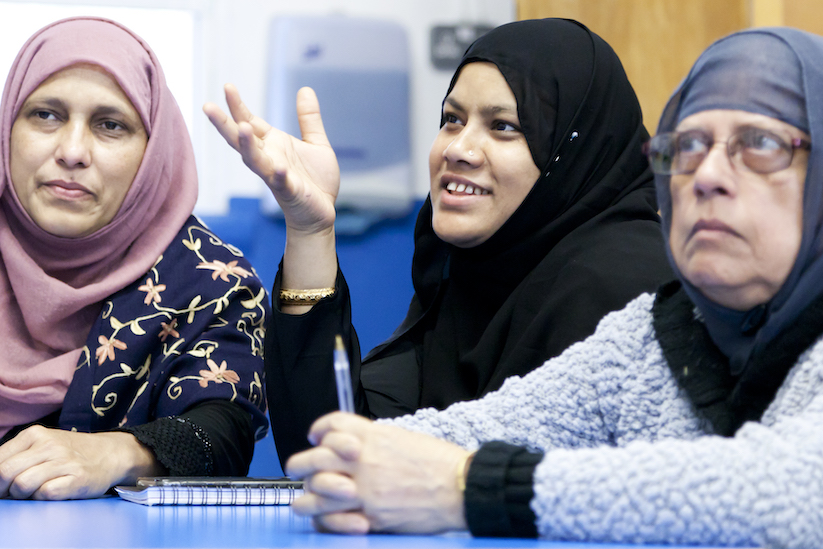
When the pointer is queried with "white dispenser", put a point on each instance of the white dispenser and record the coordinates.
(359, 69)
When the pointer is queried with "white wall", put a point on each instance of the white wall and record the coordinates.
(229, 44)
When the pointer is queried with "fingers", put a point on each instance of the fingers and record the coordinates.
(333, 486)
(308, 117)
(45, 481)
(250, 148)
(338, 421)
(15, 457)
(221, 121)
(241, 113)
(229, 127)
(327, 493)
(342, 523)
(316, 460)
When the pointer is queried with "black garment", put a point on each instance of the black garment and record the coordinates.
(214, 437)
(584, 242)
(704, 372)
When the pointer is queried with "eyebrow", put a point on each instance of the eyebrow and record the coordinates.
(489, 110)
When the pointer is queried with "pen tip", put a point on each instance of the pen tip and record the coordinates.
(338, 343)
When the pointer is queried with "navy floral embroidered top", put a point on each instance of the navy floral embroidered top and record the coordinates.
(185, 336)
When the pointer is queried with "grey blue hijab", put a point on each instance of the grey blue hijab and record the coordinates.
(777, 72)
(730, 363)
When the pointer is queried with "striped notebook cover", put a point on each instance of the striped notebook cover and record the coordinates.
(212, 491)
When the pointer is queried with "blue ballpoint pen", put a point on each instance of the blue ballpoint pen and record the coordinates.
(342, 375)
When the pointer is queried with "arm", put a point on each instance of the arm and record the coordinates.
(571, 401)
(300, 381)
(303, 176)
(759, 488)
(214, 438)
(364, 476)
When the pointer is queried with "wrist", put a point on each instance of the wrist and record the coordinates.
(461, 473)
(309, 263)
(131, 458)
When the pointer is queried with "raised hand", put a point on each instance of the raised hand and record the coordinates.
(363, 476)
(302, 174)
(42, 463)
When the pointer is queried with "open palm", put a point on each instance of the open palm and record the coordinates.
(302, 174)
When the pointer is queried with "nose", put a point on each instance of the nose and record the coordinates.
(715, 176)
(466, 148)
(74, 147)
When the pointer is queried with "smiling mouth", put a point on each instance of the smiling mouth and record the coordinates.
(463, 188)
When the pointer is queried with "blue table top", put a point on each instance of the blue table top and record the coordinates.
(112, 522)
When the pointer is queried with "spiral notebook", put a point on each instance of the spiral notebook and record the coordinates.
(211, 491)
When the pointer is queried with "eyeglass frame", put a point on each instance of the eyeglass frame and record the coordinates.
(793, 144)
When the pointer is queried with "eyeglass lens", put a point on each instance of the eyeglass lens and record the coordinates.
(759, 150)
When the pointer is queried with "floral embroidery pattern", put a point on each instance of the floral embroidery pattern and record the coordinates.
(168, 330)
(106, 349)
(218, 374)
(175, 326)
(223, 270)
(152, 291)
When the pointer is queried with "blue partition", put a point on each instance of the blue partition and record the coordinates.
(377, 265)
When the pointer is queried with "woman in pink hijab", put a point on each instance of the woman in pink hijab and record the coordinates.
(131, 333)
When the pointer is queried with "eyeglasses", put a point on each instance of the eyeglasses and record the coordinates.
(759, 150)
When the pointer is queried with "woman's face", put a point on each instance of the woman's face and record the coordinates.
(735, 233)
(480, 165)
(76, 146)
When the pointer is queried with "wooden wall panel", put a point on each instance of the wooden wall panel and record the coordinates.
(657, 40)
(803, 14)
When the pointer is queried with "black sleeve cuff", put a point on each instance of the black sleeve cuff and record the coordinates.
(213, 438)
(499, 490)
(179, 444)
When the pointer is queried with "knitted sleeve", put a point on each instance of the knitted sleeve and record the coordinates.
(763, 487)
(568, 402)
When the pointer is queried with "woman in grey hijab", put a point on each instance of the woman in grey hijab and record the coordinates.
(690, 417)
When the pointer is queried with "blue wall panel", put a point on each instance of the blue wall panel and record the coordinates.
(377, 266)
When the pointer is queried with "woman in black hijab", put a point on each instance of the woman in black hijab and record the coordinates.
(500, 286)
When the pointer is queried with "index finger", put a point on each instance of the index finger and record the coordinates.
(241, 113)
(337, 421)
(316, 460)
(225, 126)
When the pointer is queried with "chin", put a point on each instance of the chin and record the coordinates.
(65, 230)
(457, 238)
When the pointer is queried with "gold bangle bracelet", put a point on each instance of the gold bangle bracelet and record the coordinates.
(305, 297)
(463, 472)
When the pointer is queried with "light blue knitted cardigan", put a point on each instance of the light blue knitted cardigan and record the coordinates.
(627, 460)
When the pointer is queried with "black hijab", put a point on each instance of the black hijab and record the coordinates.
(584, 242)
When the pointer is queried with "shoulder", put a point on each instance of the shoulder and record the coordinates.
(199, 256)
(604, 266)
(802, 388)
(634, 321)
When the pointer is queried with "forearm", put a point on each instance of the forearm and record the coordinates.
(300, 381)
(753, 490)
(309, 262)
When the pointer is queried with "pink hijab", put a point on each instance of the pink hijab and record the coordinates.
(52, 288)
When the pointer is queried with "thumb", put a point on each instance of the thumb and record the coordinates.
(308, 116)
